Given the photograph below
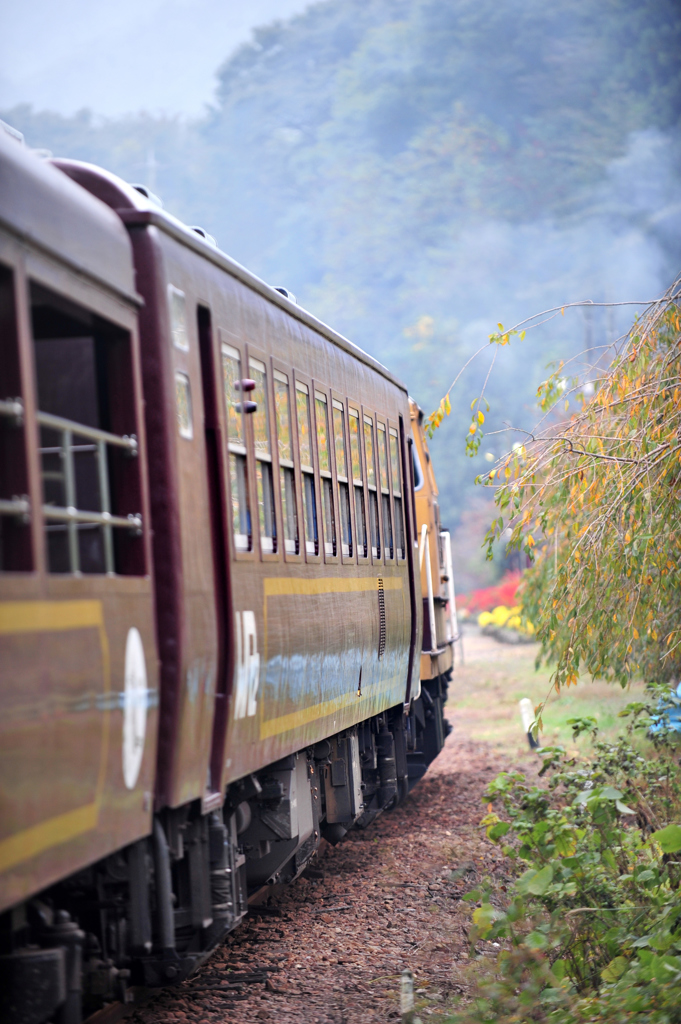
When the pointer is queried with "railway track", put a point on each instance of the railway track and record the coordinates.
(329, 949)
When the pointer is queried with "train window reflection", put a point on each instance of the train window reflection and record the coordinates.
(282, 401)
(260, 418)
(283, 411)
(324, 461)
(241, 519)
(383, 460)
(310, 508)
(322, 418)
(374, 525)
(387, 527)
(354, 447)
(305, 450)
(399, 528)
(342, 474)
(345, 520)
(178, 318)
(329, 517)
(183, 404)
(360, 521)
(383, 455)
(263, 459)
(395, 462)
(303, 414)
(238, 471)
(397, 494)
(231, 375)
(369, 450)
(288, 506)
(358, 484)
(339, 438)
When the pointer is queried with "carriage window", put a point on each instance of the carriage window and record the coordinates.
(342, 474)
(324, 457)
(385, 490)
(397, 494)
(369, 451)
(305, 451)
(88, 443)
(282, 401)
(263, 459)
(358, 484)
(238, 470)
(371, 483)
(15, 528)
(383, 455)
(183, 404)
(322, 418)
(178, 318)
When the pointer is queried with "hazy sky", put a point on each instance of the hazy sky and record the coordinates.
(126, 55)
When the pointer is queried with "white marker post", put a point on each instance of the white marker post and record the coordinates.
(407, 997)
(527, 716)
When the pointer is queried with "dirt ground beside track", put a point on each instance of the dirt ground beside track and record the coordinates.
(330, 949)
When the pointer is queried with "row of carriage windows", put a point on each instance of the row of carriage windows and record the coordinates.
(319, 428)
(88, 448)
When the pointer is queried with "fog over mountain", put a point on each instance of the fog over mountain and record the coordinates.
(416, 171)
(153, 55)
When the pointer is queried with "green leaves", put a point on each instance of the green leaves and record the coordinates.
(669, 838)
(595, 919)
(496, 832)
(535, 883)
(615, 969)
(484, 918)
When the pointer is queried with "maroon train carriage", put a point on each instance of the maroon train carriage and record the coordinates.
(210, 619)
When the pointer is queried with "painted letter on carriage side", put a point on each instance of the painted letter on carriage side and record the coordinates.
(247, 666)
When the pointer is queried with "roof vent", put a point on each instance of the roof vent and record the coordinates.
(144, 191)
(204, 234)
(289, 295)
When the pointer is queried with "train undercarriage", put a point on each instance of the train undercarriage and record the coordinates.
(149, 914)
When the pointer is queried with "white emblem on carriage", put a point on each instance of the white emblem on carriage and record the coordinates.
(135, 700)
(247, 666)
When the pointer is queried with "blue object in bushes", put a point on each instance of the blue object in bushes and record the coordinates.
(670, 718)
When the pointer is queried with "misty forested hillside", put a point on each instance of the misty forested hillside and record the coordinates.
(417, 170)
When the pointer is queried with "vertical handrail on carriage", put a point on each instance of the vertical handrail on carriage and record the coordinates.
(18, 506)
(451, 592)
(424, 548)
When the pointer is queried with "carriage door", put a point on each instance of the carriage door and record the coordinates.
(215, 473)
(410, 524)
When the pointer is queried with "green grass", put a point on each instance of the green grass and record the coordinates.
(485, 692)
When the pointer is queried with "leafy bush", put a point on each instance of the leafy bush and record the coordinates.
(595, 499)
(593, 927)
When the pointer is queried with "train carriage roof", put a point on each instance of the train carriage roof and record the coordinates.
(134, 208)
(48, 211)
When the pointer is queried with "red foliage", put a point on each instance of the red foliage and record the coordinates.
(487, 598)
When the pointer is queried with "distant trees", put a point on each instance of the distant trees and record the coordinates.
(390, 160)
